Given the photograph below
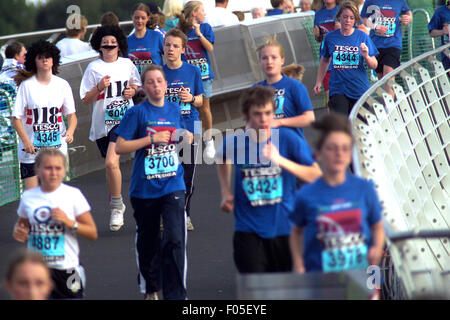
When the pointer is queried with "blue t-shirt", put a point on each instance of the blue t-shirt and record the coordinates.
(441, 16)
(325, 20)
(386, 13)
(291, 99)
(196, 54)
(189, 77)
(336, 222)
(147, 50)
(264, 193)
(274, 12)
(156, 169)
(348, 72)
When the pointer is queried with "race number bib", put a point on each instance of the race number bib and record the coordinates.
(202, 64)
(47, 139)
(184, 106)
(263, 186)
(390, 24)
(50, 246)
(115, 111)
(279, 103)
(161, 162)
(343, 60)
(336, 260)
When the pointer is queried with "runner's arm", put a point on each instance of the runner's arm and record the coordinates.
(72, 121)
(86, 224)
(224, 175)
(27, 144)
(439, 32)
(378, 238)
(296, 245)
(126, 146)
(303, 120)
(323, 67)
(21, 230)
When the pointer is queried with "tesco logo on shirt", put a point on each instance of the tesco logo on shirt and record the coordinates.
(346, 48)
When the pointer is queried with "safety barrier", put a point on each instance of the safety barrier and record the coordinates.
(403, 145)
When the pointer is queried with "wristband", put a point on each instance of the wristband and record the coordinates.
(75, 227)
(98, 88)
(193, 99)
(151, 139)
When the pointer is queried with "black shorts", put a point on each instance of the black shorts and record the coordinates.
(103, 143)
(253, 254)
(388, 57)
(62, 281)
(27, 170)
(341, 104)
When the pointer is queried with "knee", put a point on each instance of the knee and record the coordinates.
(111, 164)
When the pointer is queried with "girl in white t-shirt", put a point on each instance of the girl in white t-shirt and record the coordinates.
(110, 83)
(42, 99)
(50, 217)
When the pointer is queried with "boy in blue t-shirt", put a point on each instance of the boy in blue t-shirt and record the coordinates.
(279, 7)
(157, 188)
(384, 19)
(263, 195)
(184, 87)
(439, 27)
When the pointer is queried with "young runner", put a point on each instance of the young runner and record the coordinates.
(264, 193)
(337, 219)
(324, 22)
(184, 87)
(293, 106)
(200, 41)
(385, 20)
(157, 188)
(15, 60)
(279, 7)
(439, 27)
(110, 83)
(50, 218)
(73, 43)
(346, 50)
(145, 46)
(28, 277)
(42, 99)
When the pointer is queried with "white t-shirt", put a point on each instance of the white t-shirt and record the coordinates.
(57, 243)
(218, 16)
(110, 105)
(41, 107)
(69, 46)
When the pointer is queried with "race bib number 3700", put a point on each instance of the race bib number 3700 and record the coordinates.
(161, 162)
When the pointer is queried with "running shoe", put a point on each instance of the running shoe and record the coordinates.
(210, 150)
(151, 296)
(116, 221)
(189, 225)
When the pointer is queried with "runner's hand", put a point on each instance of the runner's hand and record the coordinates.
(299, 269)
(129, 92)
(382, 29)
(317, 88)
(271, 152)
(21, 231)
(105, 82)
(227, 203)
(162, 137)
(28, 146)
(60, 216)
(184, 95)
(69, 136)
(364, 50)
(405, 19)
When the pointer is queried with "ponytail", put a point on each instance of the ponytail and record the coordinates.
(185, 20)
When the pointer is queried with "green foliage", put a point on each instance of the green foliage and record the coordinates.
(16, 17)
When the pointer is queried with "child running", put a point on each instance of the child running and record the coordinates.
(184, 87)
(145, 46)
(200, 41)
(157, 188)
(264, 192)
(50, 218)
(337, 218)
(41, 102)
(293, 106)
(110, 83)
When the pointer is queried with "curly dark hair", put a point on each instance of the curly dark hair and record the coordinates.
(38, 49)
(45, 49)
(110, 30)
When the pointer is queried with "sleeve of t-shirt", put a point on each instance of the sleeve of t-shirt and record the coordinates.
(324, 48)
(208, 32)
(135, 78)
(21, 102)
(302, 101)
(364, 13)
(69, 102)
(128, 126)
(373, 51)
(21, 212)
(435, 22)
(298, 215)
(80, 203)
(198, 87)
(315, 19)
(299, 149)
(373, 204)
(87, 82)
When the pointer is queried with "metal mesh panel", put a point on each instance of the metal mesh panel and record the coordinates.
(10, 183)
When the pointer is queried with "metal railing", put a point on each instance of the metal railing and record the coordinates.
(403, 145)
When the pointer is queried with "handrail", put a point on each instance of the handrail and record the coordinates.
(379, 84)
(410, 30)
(52, 31)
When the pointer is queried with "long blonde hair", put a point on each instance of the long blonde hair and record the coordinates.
(185, 23)
(172, 8)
